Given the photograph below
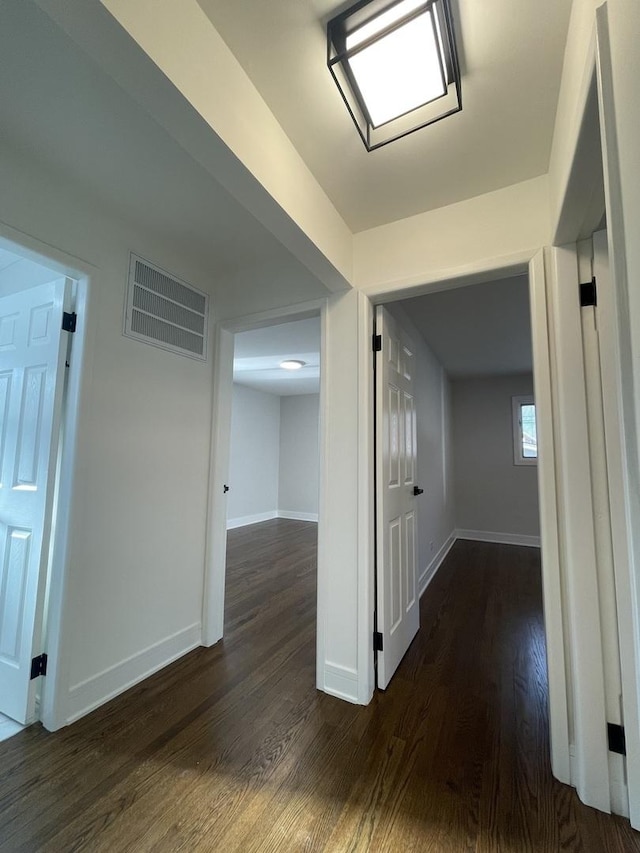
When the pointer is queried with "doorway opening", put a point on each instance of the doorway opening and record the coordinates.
(268, 498)
(449, 449)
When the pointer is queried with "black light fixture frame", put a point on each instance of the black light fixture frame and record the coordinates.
(338, 57)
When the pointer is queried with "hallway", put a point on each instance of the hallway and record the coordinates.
(232, 748)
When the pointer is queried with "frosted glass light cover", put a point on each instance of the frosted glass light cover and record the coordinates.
(396, 66)
(401, 71)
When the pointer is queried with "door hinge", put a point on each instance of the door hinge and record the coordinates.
(377, 641)
(69, 320)
(377, 343)
(616, 738)
(39, 666)
(588, 293)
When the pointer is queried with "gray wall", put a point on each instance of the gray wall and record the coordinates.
(299, 462)
(255, 456)
(274, 464)
(492, 494)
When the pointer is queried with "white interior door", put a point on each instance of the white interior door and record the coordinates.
(398, 610)
(32, 359)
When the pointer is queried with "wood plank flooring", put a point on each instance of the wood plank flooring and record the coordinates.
(232, 748)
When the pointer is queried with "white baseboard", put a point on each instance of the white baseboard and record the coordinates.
(341, 681)
(500, 538)
(298, 516)
(89, 694)
(243, 520)
(429, 573)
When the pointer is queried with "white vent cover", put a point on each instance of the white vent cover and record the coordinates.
(164, 311)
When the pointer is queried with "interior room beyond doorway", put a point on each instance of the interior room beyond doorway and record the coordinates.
(272, 499)
(474, 359)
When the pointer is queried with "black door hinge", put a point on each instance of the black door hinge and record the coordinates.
(69, 320)
(377, 343)
(377, 642)
(39, 666)
(588, 293)
(616, 738)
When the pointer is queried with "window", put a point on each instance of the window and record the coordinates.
(525, 440)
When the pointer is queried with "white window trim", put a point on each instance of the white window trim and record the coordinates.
(516, 403)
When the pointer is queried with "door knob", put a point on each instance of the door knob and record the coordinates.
(417, 491)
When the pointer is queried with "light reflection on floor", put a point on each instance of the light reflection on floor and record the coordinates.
(8, 727)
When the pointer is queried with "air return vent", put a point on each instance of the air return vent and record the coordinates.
(164, 311)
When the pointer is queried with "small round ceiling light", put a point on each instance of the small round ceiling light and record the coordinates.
(292, 364)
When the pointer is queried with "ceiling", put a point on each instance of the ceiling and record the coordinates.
(480, 330)
(8, 259)
(258, 353)
(511, 59)
(63, 110)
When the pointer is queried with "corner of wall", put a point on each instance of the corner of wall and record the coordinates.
(430, 571)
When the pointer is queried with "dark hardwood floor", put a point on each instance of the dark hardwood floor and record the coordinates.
(232, 748)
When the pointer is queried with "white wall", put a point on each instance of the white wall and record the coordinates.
(434, 444)
(254, 459)
(274, 465)
(492, 494)
(207, 74)
(299, 456)
(488, 231)
(345, 535)
(133, 598)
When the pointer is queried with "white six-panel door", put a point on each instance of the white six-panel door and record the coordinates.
(32, 359)
(398, 616)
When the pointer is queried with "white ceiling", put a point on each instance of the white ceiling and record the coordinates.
(258, 353)
(511, 58)
(480, 330)
(63, 110)
(8, 259)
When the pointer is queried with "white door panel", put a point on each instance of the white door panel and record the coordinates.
(32, 356)
(397, 599)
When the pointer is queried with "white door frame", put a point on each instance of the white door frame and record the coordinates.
(628, 582)
(529, 263)
(590, 770)
(216, 540)
(552, 587)
(578, 219)
(52, 711)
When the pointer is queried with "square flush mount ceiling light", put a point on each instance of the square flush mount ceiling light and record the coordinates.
(396, 66)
